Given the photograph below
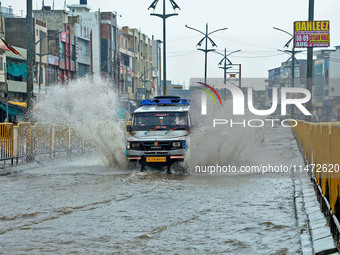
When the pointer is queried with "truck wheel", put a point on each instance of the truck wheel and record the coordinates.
(168, 171)
(132, 166)
(142, 168)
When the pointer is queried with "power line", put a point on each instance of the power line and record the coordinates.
(252, 44)
(183, 38)
(182, 51)
(186, 53)
(183, 55)
(252, 51)
(268, 56)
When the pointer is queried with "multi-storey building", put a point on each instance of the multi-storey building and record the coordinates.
(91, 20)
(136, 60)
(60, 41)
(144, 61)
(127, 67)
(156, 67)
(15, 26)
(16, 72)
(109, 45)
(282, 77)
(82, 45)
(3, 50)
(326, 92)
(326, 80)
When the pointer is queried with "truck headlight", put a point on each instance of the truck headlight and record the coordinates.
(135, 145)
(128, 145)
(176, 144)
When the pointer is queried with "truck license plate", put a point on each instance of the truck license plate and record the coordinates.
(156, 159)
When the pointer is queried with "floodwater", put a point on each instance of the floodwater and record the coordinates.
(82, 205)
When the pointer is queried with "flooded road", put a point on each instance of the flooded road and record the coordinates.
(82, 206)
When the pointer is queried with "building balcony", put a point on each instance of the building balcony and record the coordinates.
(126, 52)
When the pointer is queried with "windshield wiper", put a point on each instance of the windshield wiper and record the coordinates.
(151, 130)
(171, 130)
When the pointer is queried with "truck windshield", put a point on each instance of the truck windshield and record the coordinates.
(160, 121)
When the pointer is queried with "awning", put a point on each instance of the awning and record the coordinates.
(17, 69)
(3, 47)
(12, 110)
(18, 103)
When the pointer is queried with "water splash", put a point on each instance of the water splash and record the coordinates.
(89, 105)
(222, 144)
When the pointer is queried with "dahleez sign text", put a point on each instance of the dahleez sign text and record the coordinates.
(311, 34)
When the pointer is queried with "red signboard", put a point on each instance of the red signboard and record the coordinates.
(311, 34)
(63, 36)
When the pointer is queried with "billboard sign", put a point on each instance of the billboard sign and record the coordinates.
(53, 60)
(311, 34)
(63, 36)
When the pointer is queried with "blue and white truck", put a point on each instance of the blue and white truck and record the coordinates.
(159, 132)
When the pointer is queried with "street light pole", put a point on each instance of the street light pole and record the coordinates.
(206, 54)
(206, 50)
(225, 59)
(40, 58)
(6, 92)
(292, 53)
(225, 67)
(164, 16)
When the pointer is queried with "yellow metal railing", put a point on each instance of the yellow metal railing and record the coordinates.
(6, 140)
(43, 138)
(320, 143)
(26, 139)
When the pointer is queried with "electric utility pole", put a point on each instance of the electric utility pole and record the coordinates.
(30, 56)
(310, 61)
(164, 16)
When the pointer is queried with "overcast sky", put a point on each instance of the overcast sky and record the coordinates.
(249, 22)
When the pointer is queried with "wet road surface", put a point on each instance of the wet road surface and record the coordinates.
(82, 206)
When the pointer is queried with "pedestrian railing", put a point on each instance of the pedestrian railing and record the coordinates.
(27, 140)
(24, 135)
(6, 140)
(320, 144)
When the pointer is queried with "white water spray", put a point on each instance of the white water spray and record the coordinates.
(90, 106)
(222, 144)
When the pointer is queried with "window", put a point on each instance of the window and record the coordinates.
(160, 121)
(1, 64)
(62, 51)
(73, 53)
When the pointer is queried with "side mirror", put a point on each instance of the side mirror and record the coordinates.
(129, 128)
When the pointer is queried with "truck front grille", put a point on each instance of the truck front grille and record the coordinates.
(156, 145)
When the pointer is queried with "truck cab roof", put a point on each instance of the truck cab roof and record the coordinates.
(164, 104)
(163, 108)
